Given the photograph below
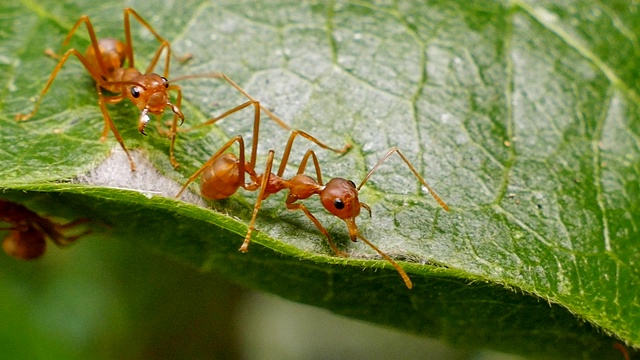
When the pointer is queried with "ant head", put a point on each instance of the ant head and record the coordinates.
(25, 245)
(340, 197)
(151, 95)
(149, 91)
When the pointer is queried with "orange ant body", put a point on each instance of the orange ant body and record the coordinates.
(27, 235)
(224, 173)
(104, 60)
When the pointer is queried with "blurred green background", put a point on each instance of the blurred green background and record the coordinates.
(107, 299)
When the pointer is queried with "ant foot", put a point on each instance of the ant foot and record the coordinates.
(186, 57)
(52, 54)
(341, 254)
(346, 148)
(21, 117)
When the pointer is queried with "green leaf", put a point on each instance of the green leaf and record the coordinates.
(522, 115)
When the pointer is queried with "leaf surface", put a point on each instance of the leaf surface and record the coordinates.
(522, 115)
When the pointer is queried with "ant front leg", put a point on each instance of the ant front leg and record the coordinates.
(107, 100)
(173, 132)
(102, 100)
(303, 187)
(299, 206)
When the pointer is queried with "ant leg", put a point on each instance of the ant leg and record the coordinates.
(94, 43)
(400, 270)
(256, 124)
(164, 43)
(71, 224)
(127, 34)
(219, 75)
(263, 187)
(412, 168)
(213, 158)
(316, 164)
(108, 121)
(173, 132)
(256, 120)
(258, 109)
(219, 117)
(292, 205)
(93, 72)
(55, 231)
(156, 57)
(299, 206)
(109, 100)
(287, 150)
(271, 115)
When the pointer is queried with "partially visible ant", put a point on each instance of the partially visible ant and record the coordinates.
(105, 59)
(28, 231)
(224, 173)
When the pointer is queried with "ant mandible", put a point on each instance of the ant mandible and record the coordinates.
(28, 231)
(224, 173)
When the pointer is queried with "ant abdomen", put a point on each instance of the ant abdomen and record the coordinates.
(25, 244)
(113, 51)
(222, 178)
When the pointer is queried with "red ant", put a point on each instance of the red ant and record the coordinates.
(26, 238)
(224, 173)
(104, 60)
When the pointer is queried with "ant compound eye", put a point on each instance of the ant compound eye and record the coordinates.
(165, 82)
(135, 92)
(352, 183)
(338, 204)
